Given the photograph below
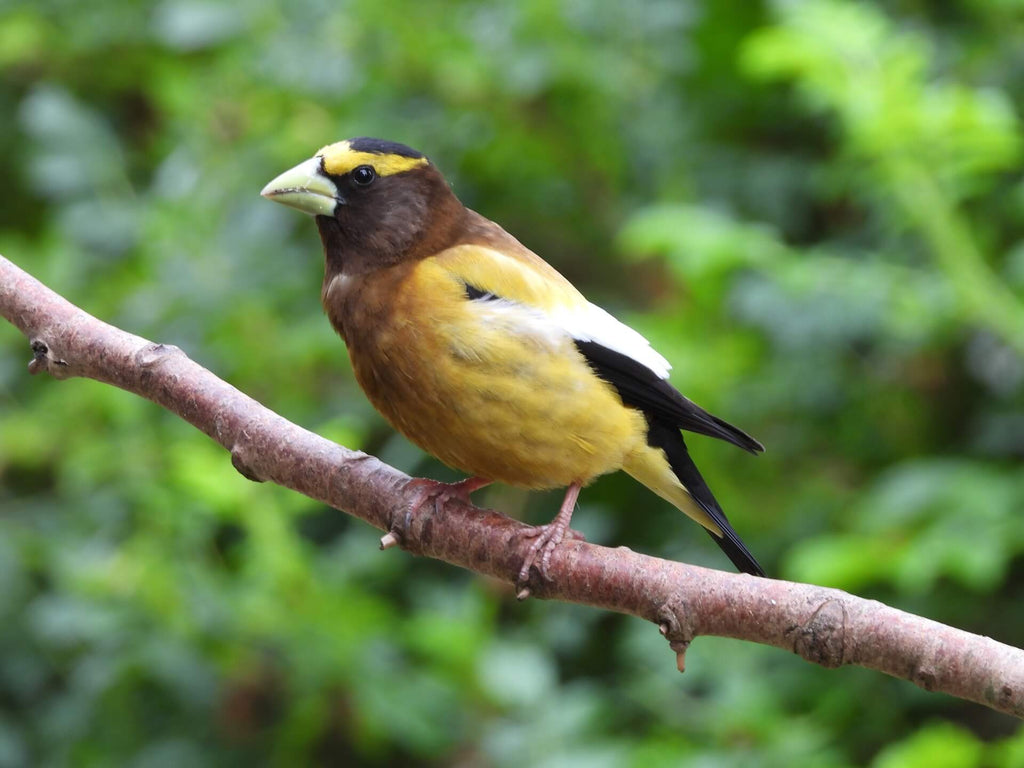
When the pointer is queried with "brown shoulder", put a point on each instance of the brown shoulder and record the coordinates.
(478, 230)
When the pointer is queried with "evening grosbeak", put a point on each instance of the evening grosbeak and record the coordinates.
(479, 352)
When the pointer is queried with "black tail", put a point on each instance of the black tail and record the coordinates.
(670, 440)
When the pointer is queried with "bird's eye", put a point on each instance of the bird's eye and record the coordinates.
(364, 175)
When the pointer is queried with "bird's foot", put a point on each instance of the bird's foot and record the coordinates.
(546, 539)
(440, 493)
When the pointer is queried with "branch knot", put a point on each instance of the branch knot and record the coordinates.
(43, 360)
(153, 354)
(822, 639)
(674, 623)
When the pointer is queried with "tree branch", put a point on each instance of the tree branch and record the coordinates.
(825, 626)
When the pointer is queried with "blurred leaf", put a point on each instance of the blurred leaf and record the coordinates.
(192, 24)
(699, 242)
(926, 143)
(940, 745)
(922, 521)
(847, 561)
(516, 674)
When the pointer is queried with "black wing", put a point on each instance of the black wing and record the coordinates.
(479, 294)
(640, 387)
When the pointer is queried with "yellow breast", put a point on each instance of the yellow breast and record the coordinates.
(473, 387)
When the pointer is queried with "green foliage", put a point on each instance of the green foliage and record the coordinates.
(812, 209)
(924, 146)
(941, 745)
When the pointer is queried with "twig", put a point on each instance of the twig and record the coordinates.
(825, 626)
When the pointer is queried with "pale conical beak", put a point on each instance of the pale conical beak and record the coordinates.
(304, 187)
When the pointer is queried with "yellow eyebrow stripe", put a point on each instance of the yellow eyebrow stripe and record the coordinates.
(340, 158)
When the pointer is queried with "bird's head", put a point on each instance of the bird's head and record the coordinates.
(376, 202)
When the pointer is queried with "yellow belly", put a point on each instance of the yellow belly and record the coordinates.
(493, 403)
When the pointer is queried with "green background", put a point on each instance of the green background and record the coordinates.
(815, 210)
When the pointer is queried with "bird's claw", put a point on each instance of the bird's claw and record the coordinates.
(425, 491)
(442, 493)
(546, 540)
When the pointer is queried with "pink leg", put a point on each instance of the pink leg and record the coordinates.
(441, 493)
(549, 536)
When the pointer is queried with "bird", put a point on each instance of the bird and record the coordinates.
(484, 355)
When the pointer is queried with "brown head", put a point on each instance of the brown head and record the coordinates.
(376, 203)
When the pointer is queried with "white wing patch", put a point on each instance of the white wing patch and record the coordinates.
(586, 322)
(519, 319)
(591, 323)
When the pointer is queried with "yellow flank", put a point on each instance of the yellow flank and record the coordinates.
(521, 408)
(648, 465)
(340, 158)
